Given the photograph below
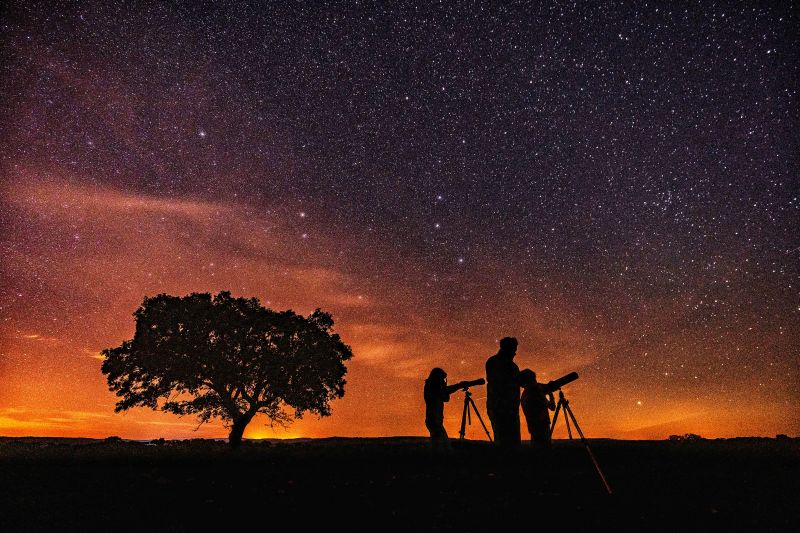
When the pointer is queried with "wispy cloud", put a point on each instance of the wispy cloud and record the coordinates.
(36, 337)
(94, 354)
(62, 197)
(165, 424)
(18, 418)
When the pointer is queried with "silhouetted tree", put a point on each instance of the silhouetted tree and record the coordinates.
(227, 358)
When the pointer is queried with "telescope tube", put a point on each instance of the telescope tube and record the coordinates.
(560, 382)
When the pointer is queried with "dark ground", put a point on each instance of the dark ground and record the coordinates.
(391, 484)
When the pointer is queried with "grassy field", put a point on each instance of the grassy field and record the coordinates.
(397, 483)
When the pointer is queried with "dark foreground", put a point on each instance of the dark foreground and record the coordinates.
(397, 484)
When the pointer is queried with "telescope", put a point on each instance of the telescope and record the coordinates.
(464, 385)
(563, 405)
(554, 385)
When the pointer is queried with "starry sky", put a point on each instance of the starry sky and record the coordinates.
(615, 185)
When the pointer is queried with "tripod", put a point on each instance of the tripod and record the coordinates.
(466, 418)
(564, 403)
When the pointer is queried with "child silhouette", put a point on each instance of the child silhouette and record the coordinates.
(537, 403)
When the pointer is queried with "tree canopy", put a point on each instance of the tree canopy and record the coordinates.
(228, 358)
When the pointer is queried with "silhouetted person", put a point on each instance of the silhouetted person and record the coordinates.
(437, 392)
(502, 398)
(537, 402)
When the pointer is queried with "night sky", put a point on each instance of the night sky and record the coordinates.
(616, 186)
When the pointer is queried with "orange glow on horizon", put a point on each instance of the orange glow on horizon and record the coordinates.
(397, 327)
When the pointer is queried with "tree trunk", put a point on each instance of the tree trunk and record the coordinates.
(237, 430)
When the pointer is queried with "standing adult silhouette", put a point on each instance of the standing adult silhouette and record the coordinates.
(502, 398)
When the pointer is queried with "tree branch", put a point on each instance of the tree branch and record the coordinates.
(226, 398)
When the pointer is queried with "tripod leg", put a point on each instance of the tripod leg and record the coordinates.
(464, 416)
(480, 419)
(555, 417)
(566, 419)
(589, 450)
